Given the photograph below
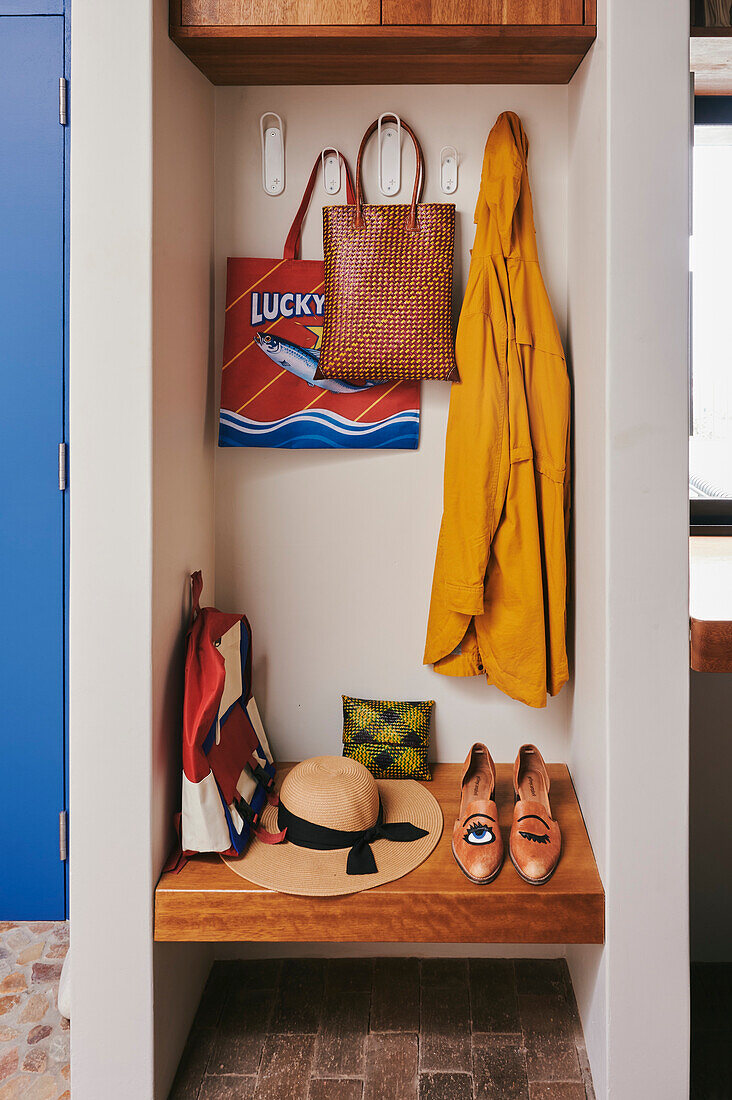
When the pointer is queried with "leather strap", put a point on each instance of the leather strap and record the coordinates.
(269, 838)
(292, 244)
(418, 179)
(196, 590)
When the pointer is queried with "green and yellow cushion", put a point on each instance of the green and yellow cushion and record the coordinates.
(391, 739)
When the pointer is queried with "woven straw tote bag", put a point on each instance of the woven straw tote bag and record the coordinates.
(388, 286)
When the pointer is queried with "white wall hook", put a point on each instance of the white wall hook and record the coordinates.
(332, 170)
(390, 154)
(448, 169)
(273, 153)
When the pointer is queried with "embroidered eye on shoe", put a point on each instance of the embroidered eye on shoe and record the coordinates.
(535, 843)
(476, 839)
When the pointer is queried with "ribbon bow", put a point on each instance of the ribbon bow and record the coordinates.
(361, 859)
(306, 834)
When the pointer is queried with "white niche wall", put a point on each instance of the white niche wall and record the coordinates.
(326, 622)
(330, 553)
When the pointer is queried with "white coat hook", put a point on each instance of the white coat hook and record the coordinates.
(448, 169)
(273, 153)
(332, 175)
(390, 154)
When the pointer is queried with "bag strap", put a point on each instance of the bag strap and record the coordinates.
(196, 590)
(292, 244)
(418, 179)
(259, 774)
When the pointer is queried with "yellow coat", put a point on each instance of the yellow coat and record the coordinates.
(499, 593)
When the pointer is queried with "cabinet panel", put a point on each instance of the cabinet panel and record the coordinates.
(483, 12)
(279, 13)
(31, 428)
(427, 54)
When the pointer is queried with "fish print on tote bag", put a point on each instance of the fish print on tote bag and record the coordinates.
(269, 394)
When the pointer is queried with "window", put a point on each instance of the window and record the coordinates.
(710, 426)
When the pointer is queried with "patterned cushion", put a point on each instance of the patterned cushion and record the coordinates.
(391, 739)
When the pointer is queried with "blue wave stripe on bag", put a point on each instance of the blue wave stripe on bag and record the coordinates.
(319, 428)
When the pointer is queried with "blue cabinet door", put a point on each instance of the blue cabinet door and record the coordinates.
(32, 880)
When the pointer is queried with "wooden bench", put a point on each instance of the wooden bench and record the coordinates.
(435, 903)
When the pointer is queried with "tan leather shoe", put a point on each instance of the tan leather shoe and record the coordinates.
(476, 839)
(536, 841)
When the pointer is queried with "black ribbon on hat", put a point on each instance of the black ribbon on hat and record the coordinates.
(305, 834)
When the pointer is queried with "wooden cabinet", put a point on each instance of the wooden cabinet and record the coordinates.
(307, 13)
(549, 13)
(384, 41)
(279, 13)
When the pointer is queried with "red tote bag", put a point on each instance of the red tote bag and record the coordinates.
(270, 396)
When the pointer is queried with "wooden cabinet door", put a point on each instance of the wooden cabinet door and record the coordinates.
(279, 13)
(541, 13)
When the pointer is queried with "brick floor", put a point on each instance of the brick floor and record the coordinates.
(34, 1038)
(386, 1029)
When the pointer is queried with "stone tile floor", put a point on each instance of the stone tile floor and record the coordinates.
(34, 1037)
(711, 1031)
(386, 1029)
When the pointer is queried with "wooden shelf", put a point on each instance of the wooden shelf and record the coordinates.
(385, 54)
(435, 903)
(711, 60)
(710, 603)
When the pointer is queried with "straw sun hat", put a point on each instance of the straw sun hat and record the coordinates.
(345, 831)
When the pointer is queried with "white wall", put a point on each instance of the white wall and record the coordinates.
(628, 193)
(284, 519)
(648, 649)
(142, 445)
(111, 550)
(184, 424)
(141, 519)
(586, 349)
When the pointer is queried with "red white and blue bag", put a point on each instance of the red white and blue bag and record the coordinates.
(228, 769)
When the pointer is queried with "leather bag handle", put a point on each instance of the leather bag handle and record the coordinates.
(196, 590)
(418, 179)
(292, 244)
